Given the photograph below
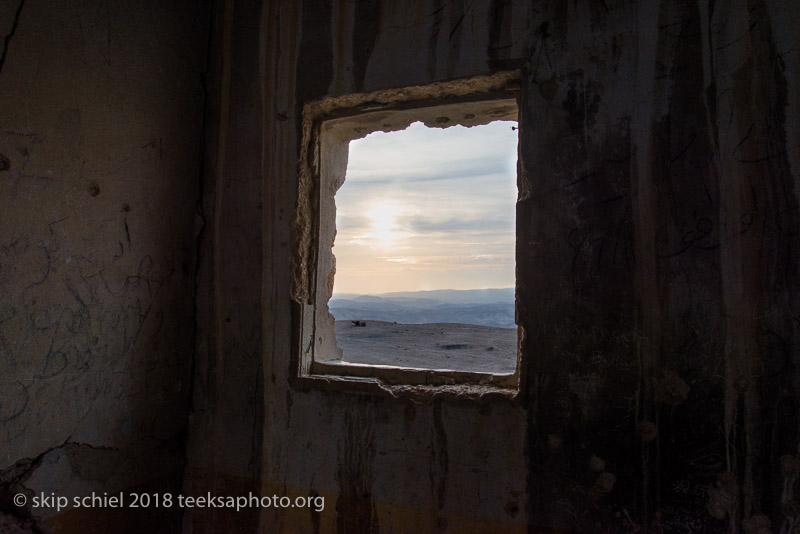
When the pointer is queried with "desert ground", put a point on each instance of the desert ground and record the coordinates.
(450, 346)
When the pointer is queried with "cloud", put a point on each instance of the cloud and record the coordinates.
(462, 225)
(408, 173)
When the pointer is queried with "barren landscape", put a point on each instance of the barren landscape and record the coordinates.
(447, 346)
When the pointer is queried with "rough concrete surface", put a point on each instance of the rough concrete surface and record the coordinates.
(656, 269)
(148, 187)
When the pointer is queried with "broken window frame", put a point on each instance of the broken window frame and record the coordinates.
(328, 127)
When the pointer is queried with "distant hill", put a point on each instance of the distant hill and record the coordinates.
(488, 307)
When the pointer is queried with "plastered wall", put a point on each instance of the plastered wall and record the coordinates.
(101, 120)
(658, 237)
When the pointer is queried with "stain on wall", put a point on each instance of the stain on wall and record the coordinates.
(355, 511)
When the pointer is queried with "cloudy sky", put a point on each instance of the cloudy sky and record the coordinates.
(428, 208)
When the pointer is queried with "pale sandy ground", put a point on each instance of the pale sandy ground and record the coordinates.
(452, 346)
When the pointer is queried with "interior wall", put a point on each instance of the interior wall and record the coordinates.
(227, 407)
(101, 121)
(658, 241)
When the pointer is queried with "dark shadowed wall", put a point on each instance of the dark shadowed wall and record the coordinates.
(101, 121)
(658, 243)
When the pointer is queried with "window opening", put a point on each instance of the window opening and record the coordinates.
(424, 247)
(450, 236)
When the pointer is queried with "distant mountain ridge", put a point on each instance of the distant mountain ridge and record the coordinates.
(488, 307)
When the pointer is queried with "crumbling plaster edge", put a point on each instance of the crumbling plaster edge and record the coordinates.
(417, 393)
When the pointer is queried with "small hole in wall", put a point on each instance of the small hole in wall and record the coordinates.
(424, 247)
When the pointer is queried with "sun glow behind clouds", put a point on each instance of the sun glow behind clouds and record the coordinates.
(428, 208)
(384, 230)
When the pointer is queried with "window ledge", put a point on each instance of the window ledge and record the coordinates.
(421, 393)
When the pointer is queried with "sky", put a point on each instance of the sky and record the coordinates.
(428, 208)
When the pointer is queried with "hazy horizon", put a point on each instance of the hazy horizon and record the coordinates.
(338, 294)
(428, 209)
(488, 307)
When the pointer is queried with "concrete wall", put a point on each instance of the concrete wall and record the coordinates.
(101, 120)
(658, 219)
